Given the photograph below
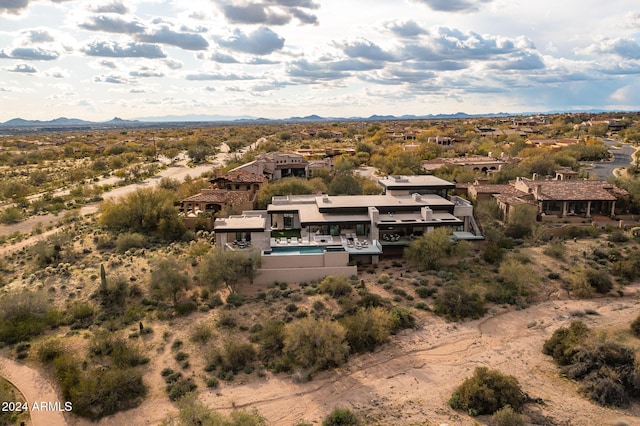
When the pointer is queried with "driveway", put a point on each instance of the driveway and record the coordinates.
(622, 157)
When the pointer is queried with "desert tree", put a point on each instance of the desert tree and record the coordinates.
(428, 251)
(147, 211)
(168, 278)
(316, 344)
(226, 268)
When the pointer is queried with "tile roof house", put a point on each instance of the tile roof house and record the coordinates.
(236, 189)
(560, 197)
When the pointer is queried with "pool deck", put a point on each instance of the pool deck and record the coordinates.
(352, 245)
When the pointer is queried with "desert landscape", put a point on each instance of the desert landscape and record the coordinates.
(98, 290)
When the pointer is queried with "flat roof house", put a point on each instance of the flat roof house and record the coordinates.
(311, 236)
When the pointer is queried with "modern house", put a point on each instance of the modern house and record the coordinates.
(307, 237)
(276, 165)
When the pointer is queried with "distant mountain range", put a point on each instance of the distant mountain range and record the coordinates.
(64, 123)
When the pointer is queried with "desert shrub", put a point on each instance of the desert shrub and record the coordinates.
(215, 301)
(315, 344)
(130, 240)
(11, 215)
(271, 339)
(227, 320)
(402, 318)
(234, 299)
(112, 295)
(23, 316)
(635, 327)
(49, 350)
(367, 328)
(515, 283)
(81, 314)
(367, 300)
(336, 286)
(584, 281)
(608, 370)
(606, 389)
(486, 392)
(628, 268)
(424, 292)
(340, 417)
(101, 393)
(565, 342)
(180, 388)
(455, 303)
(236, 355)
(185, 308)
(493, 254)
(121, 352)
(618, 237)
(557, 250)
(202, 333)
(507, 417)
(194, 413)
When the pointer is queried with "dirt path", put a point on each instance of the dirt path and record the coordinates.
(411, 380)
(36, 391)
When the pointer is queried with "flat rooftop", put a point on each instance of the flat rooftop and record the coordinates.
(415, 182)
(240, 223)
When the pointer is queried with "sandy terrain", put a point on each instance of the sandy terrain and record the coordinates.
(410, 380)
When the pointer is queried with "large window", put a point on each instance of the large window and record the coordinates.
(288, 220)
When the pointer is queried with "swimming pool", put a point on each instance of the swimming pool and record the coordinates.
(296, 250)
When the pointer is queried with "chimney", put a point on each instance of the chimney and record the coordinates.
(535, 176)
(426, 213)
(416, 197)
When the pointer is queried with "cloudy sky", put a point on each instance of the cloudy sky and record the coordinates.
(98, 59)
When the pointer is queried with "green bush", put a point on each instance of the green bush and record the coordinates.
(367, 328)
(23, 316)
(486, 392)
(315, 344)
(49, 350)
(271, 339)
(130, 240)
(402, 318)
(565, 342)
(507, 417)
(340, 417)
(186, 308)
(336, 286)
(180, 388)
(102, 393)
(455, 303)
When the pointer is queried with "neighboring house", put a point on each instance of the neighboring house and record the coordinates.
(472, 163)
(309, 236)
(561, 197)
(552, 143)
(235, 189)
(276, 165)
